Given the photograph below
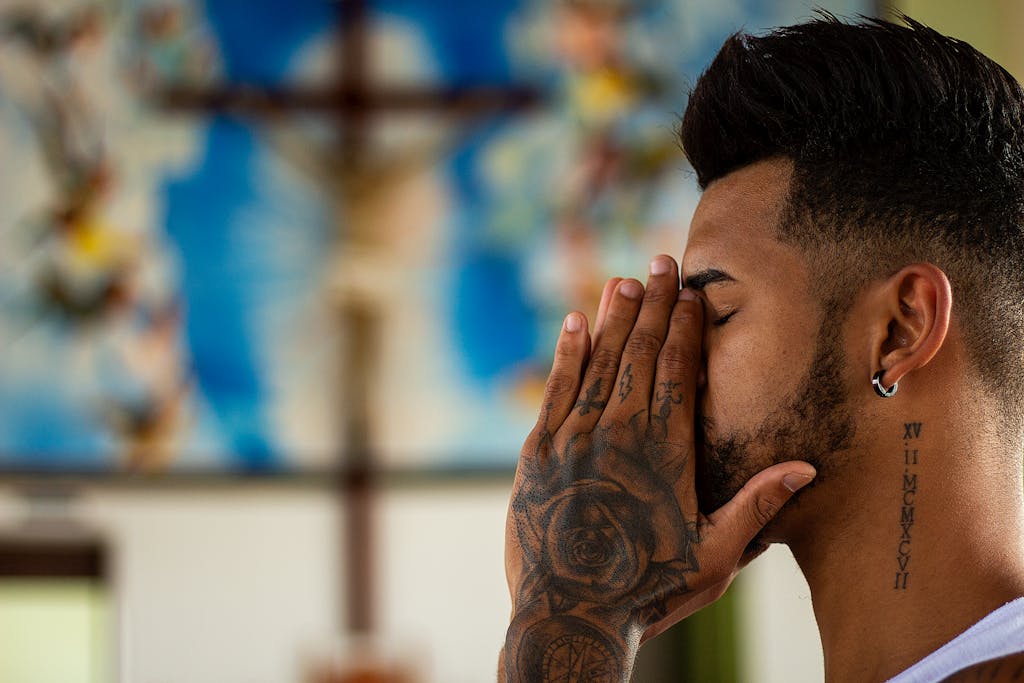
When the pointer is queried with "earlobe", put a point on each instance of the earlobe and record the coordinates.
(916, 304)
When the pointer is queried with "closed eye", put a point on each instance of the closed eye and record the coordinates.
(723, 320)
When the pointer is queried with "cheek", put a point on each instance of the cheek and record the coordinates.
(752, 371)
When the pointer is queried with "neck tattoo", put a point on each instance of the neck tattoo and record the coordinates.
(911, 433)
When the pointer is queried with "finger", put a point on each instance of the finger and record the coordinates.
(732, 527)
(673, 397)
(679, 363)
(604, 361)
(563, 384)
(602, 309)
(639, 358)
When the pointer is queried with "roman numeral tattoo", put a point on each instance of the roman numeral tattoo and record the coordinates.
(911, 432)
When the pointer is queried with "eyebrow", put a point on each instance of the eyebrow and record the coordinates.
(698, 281)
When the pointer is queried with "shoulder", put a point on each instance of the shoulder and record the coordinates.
(1008, 669)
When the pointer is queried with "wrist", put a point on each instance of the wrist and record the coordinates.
(574, 645)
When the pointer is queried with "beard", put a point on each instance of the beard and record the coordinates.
(813, 423)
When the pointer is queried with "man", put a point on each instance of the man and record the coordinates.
(851, 327)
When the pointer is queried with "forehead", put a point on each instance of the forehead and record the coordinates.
(734, 224)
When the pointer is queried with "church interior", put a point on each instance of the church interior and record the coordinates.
(279, 288)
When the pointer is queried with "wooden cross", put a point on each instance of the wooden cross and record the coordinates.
(354, 102)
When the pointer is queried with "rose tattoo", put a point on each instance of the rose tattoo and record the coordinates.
(602, 528)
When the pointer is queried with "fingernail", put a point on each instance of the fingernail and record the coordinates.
(660, 266)
(631, 289)
(573, 322)
(794, 482)
(686, 294)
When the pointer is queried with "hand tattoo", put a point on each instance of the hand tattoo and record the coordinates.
(669, 394)
(626, 383)
(590, 402)
(606, 543)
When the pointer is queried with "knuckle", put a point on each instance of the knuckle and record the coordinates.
(764, 509)
(658, 295)
(643, 343)
(531, 444)
(560, 383)
(677, 359)
(604, 362)
(565, 352)
(686, 316)
(622, 312)
(535, 446)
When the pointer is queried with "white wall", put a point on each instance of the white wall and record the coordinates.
(778, 635)
(216, 585)
(444, 578)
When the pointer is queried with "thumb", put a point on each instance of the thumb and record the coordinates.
(738, 521)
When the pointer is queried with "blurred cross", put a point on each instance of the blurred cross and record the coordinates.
(355, 103)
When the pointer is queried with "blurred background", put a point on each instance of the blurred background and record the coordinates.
(279, 284)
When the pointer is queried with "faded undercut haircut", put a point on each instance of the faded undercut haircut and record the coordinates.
(906, 145)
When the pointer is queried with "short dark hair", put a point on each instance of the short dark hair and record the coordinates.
(906, 145)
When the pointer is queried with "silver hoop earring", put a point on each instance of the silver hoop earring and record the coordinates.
(876, 382)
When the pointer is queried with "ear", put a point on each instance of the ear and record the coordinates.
(914, 307)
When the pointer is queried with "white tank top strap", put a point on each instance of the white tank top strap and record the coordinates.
(999, 634)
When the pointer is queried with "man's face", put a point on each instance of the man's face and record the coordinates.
(774, 389)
